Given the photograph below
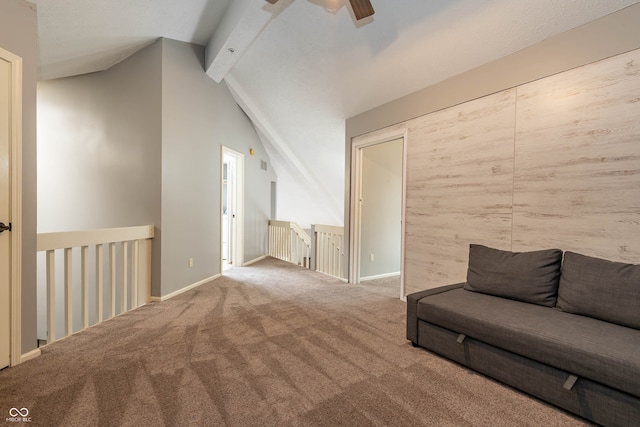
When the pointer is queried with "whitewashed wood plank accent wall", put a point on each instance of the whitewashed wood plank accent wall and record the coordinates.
(459, 187)
(552, 163)
(577, 164)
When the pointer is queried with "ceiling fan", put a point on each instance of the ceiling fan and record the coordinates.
(361, 8)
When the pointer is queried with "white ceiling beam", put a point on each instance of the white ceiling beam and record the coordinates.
(242, 23)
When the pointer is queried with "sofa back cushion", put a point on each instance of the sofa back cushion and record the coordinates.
(602, 289)
(523, 276)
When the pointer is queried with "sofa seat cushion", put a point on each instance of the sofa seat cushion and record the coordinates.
(587, 347)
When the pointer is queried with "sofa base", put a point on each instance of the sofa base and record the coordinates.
(586, 398)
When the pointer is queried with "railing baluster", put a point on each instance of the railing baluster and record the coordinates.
(135, 277)
(68, 290)
(112, 284)
(135, 247)
(125, 271)
(327, 253)
(84, 277)
(340, 272)
(51, 296)
(99, 283)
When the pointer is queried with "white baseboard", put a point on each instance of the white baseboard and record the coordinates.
(183, 290)
(30, 355)
(253, 261)
(380, 276)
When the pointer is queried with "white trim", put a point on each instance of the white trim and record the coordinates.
(357, 145)
(253, 261)
(15, 147)
(30, 355)
(380, 276)
(185, 289)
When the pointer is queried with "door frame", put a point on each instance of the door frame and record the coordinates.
(15, 200)
(357, 146)
(236, 237)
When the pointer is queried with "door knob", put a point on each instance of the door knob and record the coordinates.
(4, 227)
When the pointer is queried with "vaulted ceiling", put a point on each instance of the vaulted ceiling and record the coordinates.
(299, 68)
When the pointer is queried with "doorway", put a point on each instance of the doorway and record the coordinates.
(10, 207)
(231, 209)
(378, 176)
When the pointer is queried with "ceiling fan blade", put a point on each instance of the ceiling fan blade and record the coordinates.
(361, 8)
(272, 1)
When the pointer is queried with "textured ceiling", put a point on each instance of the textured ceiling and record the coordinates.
(82, 36)
(312, 66)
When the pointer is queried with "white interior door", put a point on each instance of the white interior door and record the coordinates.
(5, 212)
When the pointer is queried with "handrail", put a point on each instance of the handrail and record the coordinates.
(132, 267)
(300, 232)
(69, 239)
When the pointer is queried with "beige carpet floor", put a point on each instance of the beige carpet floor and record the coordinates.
(271, 344)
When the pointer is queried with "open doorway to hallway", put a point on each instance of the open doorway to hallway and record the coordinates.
(232, 213)
(377, 255)
(381, 211)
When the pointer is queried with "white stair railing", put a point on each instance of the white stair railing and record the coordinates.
(323, 251)
(328, 249)
(289, 242)
(128, 274)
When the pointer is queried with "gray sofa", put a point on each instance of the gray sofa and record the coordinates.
(562, 327)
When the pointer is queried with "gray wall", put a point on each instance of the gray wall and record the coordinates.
(380, 225)
(603, 38)
(199, 116)
(19, 35)
(140, 144)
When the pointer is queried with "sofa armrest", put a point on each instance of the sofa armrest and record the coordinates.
(412, 308)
